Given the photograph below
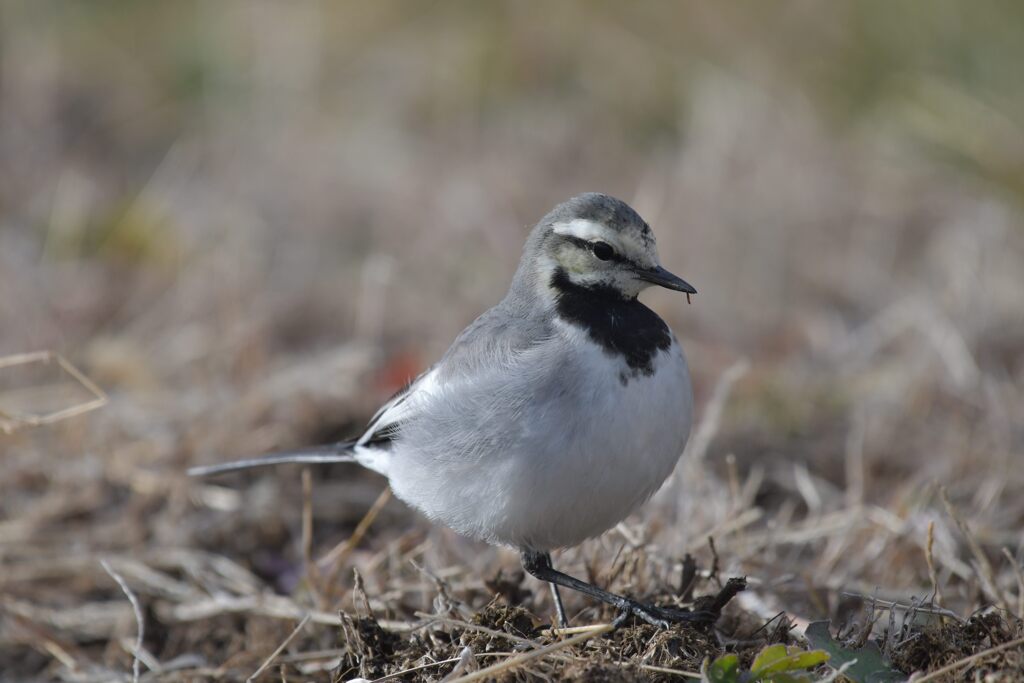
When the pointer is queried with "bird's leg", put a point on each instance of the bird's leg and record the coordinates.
(563, 620)
(539, 566)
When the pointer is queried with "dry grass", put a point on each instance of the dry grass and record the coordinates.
(246, 223)
(10, 422)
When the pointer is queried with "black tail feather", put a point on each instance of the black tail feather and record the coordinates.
(315, 455)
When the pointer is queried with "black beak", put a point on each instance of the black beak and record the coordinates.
(661, 277)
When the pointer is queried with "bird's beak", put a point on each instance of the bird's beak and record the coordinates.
(661, 277)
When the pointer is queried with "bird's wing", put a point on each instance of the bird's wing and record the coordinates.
(398, 408)
(499, 337)
(493, 339)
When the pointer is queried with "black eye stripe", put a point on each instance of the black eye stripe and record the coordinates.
(576, 241)
(589, 246)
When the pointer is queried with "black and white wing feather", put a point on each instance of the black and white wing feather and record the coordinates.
(388, 419)
(383, 428)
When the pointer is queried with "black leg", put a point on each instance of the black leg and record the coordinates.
(539, 566)
(563, 620)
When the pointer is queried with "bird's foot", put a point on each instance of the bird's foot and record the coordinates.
(661, 617)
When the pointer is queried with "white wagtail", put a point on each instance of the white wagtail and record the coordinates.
(555, 414)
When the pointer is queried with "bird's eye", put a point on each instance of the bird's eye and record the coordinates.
(602, 250)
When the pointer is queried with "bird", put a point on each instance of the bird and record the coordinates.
(554, 415)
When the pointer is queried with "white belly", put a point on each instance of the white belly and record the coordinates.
(566, 464)
(621, 447)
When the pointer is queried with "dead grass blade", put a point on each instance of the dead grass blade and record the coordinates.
(709, 424)
(930, 560)
(458, 623)
(967, 661)
(1019, 573)
(670, 672)
(522, 659)
(984, 567)
(431, 665)
(10, 423)
(139, 618)
(571, 631)
(280, 648)
(335, 558)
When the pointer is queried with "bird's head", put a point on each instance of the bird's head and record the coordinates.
(600, 243)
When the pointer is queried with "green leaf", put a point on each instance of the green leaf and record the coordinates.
(776, 662)
(870, 666)
(725, 669)
(768, 656)
(804, 660)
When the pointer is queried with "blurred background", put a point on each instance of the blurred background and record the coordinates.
(250, 222)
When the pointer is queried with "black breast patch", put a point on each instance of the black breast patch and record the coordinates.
(623, 327)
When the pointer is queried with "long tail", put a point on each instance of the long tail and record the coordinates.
(315, 455)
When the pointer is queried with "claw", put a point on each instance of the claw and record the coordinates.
(649, 615)
(659, 617)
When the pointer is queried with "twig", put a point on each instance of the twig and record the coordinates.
(688, 578)
(336, 557)
(444, 598)
(147, 657)
(732, 587)
(41, 638)
(1020, 581)
(9, 423)
(280, 648)
(768, 623)
(473, 627)
(698, 446)
(967, 661)
(307, 526)
(359, 593)
(877, 602)
(273, 606)
(467, 662)
(728, 526)
(139, 618)
(713, 572)
(494, 669)
(55, 650)
(985, 571)
(930, 559)
(670, 672)
(572, 630)
(734, 481)
(421, 667)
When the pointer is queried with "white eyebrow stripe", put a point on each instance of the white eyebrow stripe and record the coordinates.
(581, 228)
